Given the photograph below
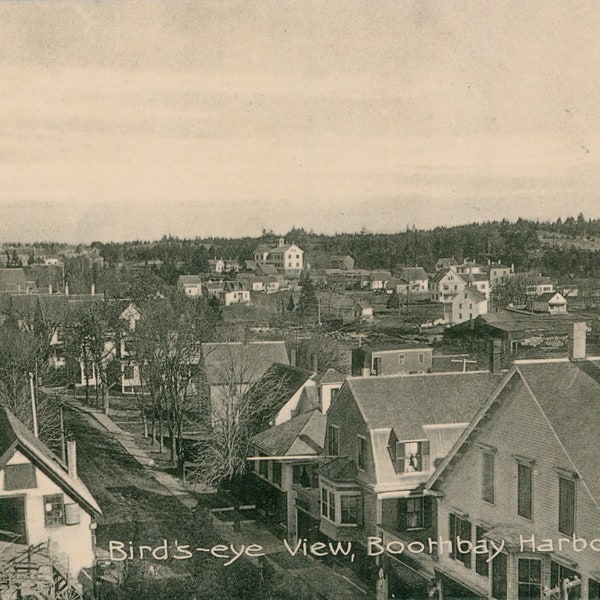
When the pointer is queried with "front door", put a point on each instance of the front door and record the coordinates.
(12, 520)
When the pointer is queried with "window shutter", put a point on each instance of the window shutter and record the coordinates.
(427, 512)
(424, 450)
(402, 520)
(400, 457)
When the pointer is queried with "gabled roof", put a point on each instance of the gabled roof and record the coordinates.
(15, 436)
(405, 403)
(548, 296)
(475, 294)
(301, 435)
(226, 362)
(413, 273)
(278, 383)
(568, 394)
(309, 400)
(331, 376)
(443, 272)
(189, 279)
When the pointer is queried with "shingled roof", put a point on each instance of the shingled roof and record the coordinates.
(301, 435)
(407, 402)
(568, 394)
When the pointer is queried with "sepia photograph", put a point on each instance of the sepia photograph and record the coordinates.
(299, 300)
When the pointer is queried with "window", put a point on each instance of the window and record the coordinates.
(412, 457)
(327, 504)
(487, 477)
(54, 510)
(362, 449)
(277, 473)
(414, 513)
(459, 528)
(19, 477)
(530, 578)
(349, 509)
(558, 573)
(128, 372)
(263, 467)
(499, 577)
(421, 357)
(524, 491)
(401, 359)
(333, 440)
(482, 566)
(566, 506)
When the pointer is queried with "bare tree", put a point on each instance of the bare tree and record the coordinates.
(94, 333)
(239, 410)
(168, 352)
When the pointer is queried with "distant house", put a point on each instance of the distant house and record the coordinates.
(467, 305)
(445, 263)
(377, 280)
(230, 368)
(536, 286)
(553, 303)
(190, 285)
(445, 285)
(345, 262)
(523, 475)
(478, 281)
(216, 265)
(499, 274)
(43, 502)
(14, 281)
(469, 267)
(418, 280)
(363, 311)
(234, 292)
(231, 265)
(391, 360)
(286, 258)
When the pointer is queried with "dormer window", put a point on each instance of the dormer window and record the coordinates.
(412, 457)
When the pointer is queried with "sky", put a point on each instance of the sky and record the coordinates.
(133, 119)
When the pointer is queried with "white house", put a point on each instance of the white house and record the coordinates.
(446, 284)
(468, 304)
(42, 501)
(286, 258)
(553, 303)
(190, 285)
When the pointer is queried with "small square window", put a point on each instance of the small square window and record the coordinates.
(54, 510)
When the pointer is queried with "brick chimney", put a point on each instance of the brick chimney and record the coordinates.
(577, 337)
(72, 458)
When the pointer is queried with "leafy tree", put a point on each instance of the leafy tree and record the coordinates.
(290, 304)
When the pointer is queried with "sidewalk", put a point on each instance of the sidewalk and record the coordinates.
(127, 440)
(322, 581)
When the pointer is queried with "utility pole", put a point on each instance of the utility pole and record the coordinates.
(33, 405)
